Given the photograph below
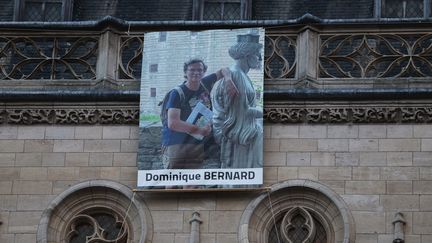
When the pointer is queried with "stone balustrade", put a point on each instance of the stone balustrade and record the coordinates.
(315, 55)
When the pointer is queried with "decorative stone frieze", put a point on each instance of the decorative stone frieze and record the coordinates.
(282, 113)
(70, 114)
(354, 113)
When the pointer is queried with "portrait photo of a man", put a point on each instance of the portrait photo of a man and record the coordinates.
(201, 109)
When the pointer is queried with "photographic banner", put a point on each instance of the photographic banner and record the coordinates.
(201, 106)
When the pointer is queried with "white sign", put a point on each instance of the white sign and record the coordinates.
(207, 177)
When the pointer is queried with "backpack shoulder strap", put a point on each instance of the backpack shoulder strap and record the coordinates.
(204, 87)
(163, 103)
(180, 92)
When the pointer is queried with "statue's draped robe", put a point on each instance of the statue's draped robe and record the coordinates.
(237, 123)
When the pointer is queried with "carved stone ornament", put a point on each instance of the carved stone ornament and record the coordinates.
(72, 114)
(283, 112)
(375, 55)
(98, 227)
(38, 58)
(355, 113)
(420, 113)
(298, 226)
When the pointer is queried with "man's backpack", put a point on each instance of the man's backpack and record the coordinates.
(163, 103)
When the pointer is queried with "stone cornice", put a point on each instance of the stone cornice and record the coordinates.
(121, 24)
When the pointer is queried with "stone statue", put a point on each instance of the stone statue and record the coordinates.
(237, 122)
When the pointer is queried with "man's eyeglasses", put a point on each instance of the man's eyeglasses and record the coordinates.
(195, 70)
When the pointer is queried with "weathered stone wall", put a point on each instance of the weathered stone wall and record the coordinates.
(377, 169)
(39, 162)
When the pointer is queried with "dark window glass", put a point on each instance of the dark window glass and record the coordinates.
(212, 11)
(221, 11)
(402, 8)
(153, 68)
(231, 11)
(108, 223)
(83, 230)
(320, 234)
(53, 11)
(152, 92)
(298, 232)
(44, 10)
(275, 234)
(33, 11)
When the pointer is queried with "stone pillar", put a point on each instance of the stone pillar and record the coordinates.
(398, 228)
(107, 62)
(307, 56)
(195, 222)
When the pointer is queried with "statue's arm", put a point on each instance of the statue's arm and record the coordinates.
(217, 97)
(230, 87)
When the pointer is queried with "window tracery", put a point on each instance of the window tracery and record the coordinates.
(297, 211)
(103, 227)
(298, 225)
(96, 211)
(221, 9)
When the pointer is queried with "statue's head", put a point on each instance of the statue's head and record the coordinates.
(247, 48)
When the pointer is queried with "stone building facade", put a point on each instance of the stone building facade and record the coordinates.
(348, 133)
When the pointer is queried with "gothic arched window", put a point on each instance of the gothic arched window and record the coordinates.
(97, 211)
(297, 211)
(101, 225)
(298, 225)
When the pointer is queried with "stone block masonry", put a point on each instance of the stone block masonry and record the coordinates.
(378, 170)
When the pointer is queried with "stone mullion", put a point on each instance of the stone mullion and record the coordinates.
(53, 58)
(377, 10)
(426, 8)
(307, 55)
(108, 57)
(197, 9)
(246, 9)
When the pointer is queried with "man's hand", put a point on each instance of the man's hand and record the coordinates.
(205, 131)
